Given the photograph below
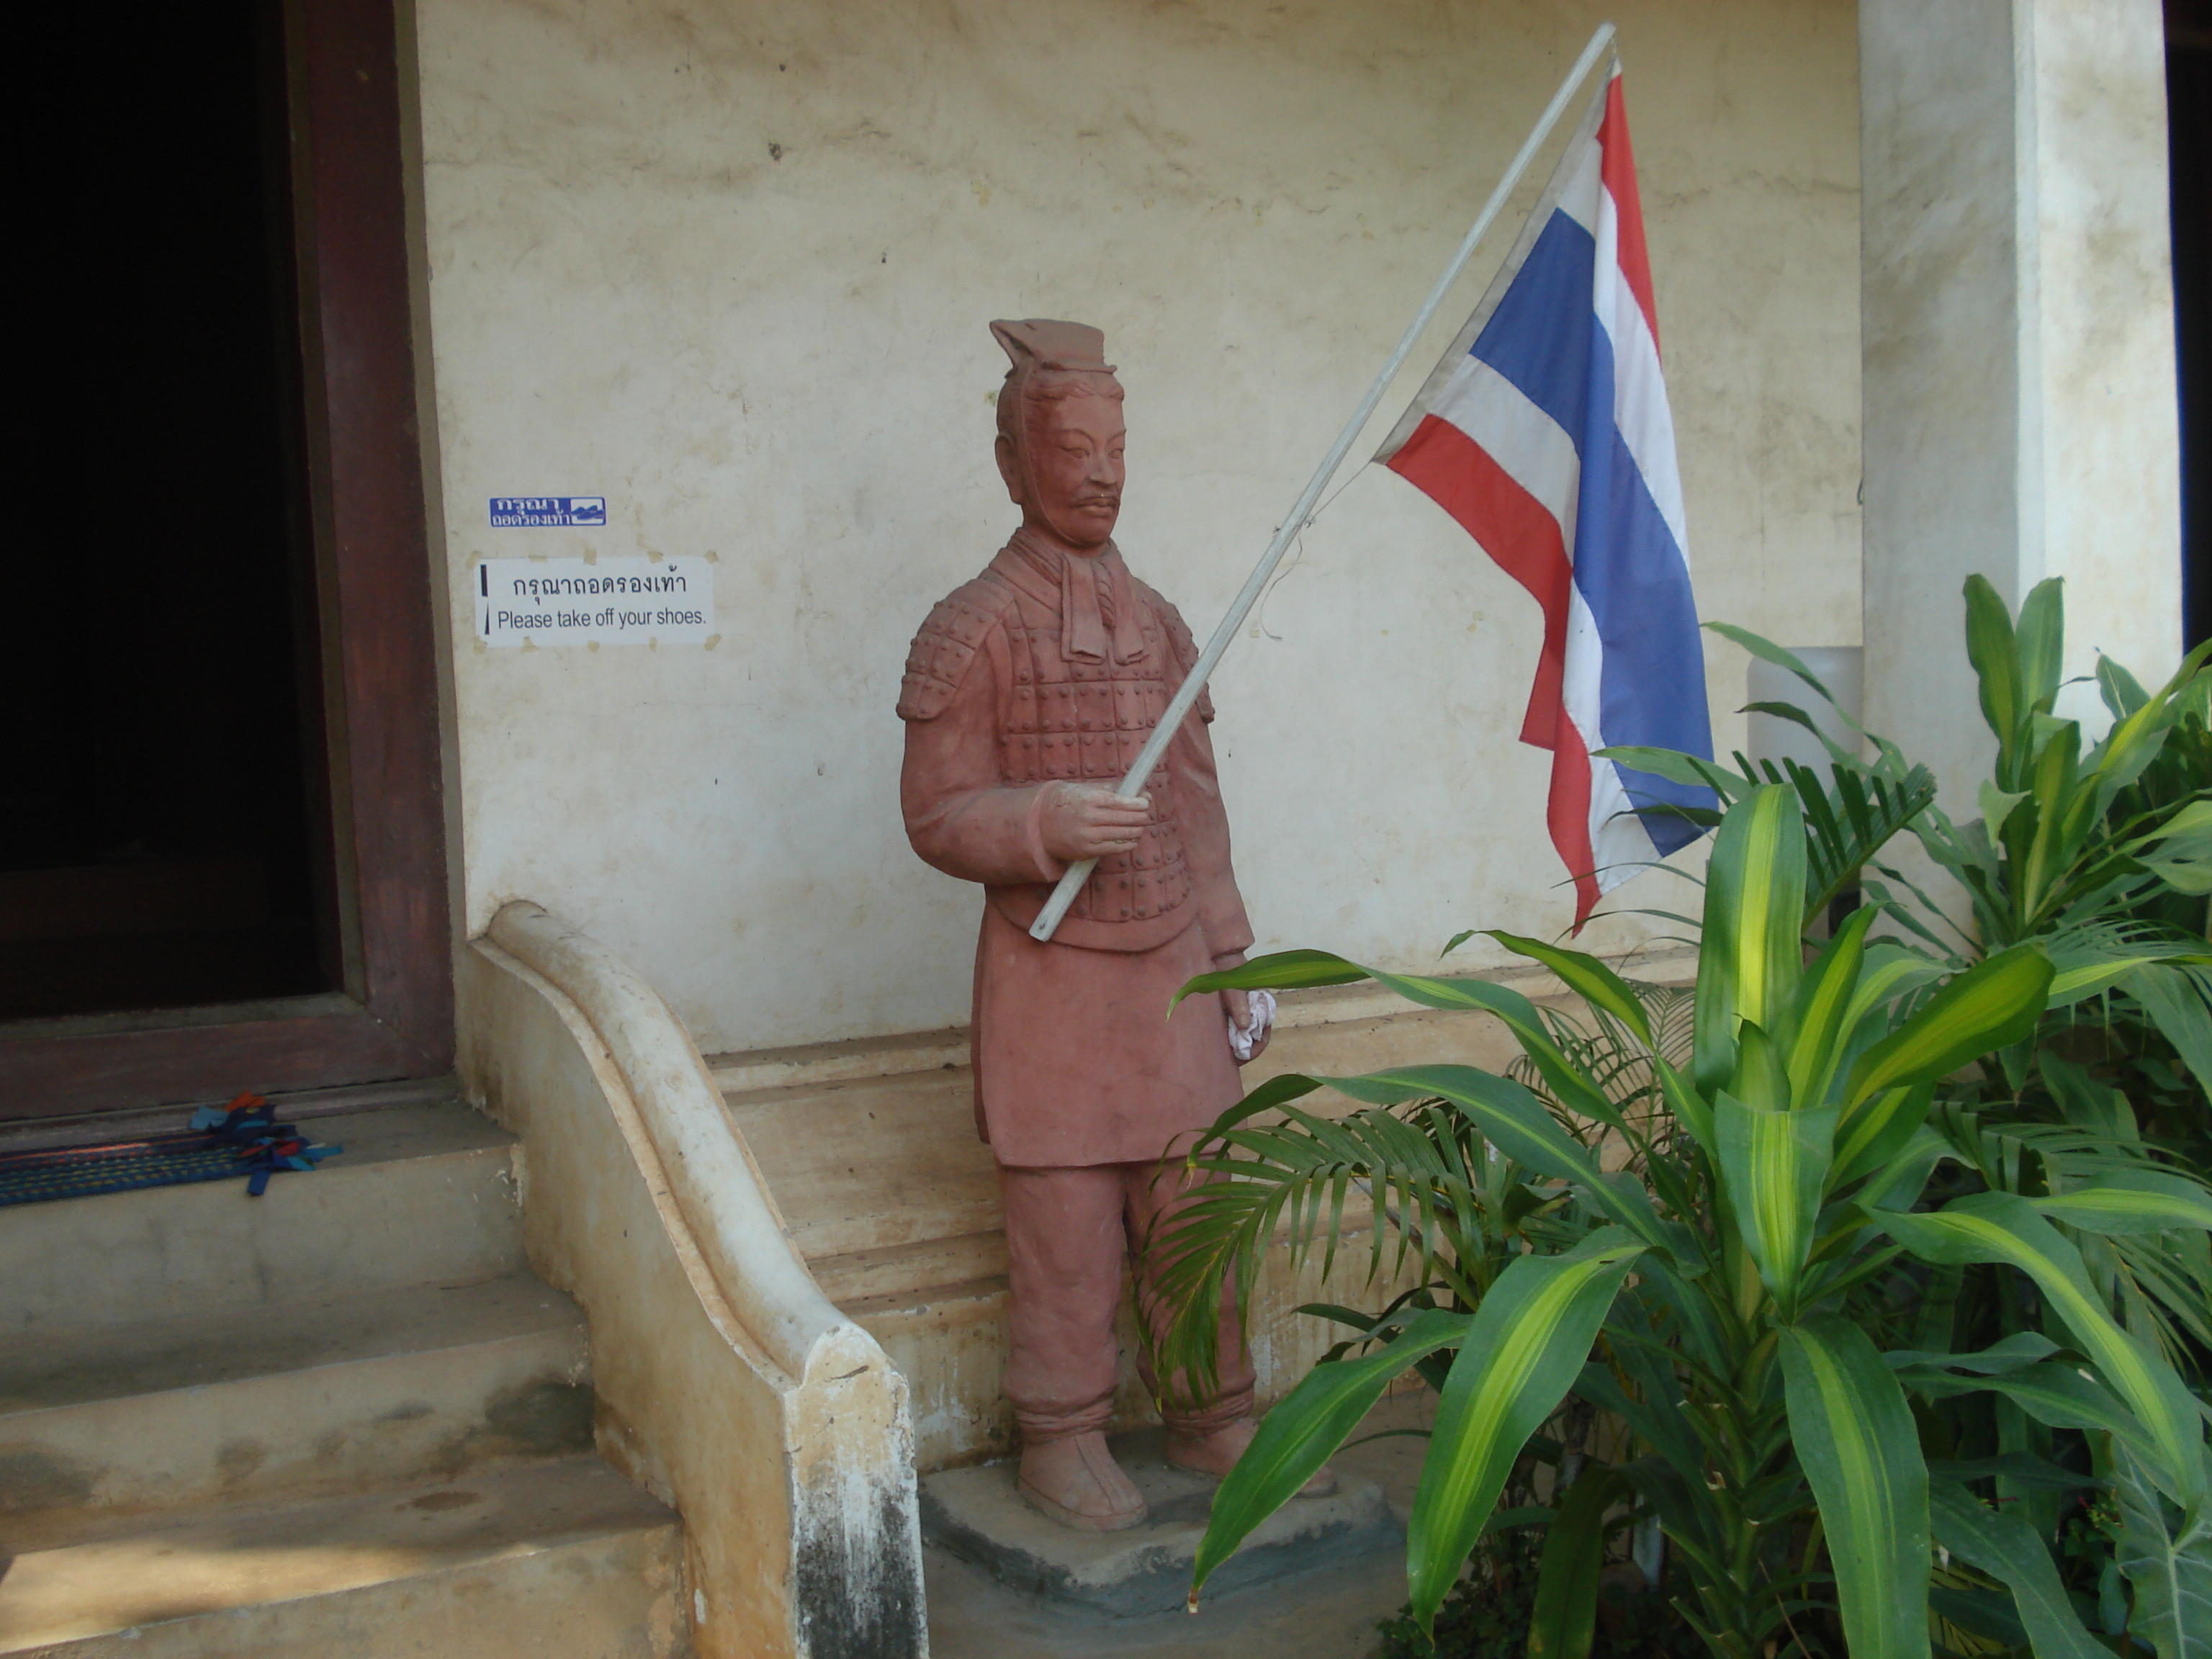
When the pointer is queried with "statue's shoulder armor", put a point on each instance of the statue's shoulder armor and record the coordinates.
(1180, 642)
(945, 646)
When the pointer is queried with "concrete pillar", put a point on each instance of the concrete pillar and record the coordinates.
(2018, 338)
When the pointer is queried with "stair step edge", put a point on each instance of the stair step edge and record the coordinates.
(220, 1560)
(90, 1366)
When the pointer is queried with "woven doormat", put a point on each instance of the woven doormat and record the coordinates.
(239, 1142)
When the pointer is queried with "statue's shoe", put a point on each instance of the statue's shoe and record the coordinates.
(1077, 1482)
(1216, 1452)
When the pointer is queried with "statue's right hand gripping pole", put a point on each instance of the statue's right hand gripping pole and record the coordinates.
(1071, 884)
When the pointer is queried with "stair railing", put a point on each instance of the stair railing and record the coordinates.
(717, 1361)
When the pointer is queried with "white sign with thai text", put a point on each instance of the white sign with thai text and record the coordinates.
(546, 602)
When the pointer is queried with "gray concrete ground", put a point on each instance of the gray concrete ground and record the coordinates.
(1329, 1614)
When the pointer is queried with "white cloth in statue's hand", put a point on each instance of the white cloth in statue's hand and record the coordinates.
(1260, 1015)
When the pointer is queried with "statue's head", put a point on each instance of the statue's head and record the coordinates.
(1059, 430)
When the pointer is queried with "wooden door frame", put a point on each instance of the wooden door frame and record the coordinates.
(395, 1016)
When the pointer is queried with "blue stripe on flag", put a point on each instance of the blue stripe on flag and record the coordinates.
(1539, 338)
(1545, 338)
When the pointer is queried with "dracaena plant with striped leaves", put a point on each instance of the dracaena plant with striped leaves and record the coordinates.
(1710, 1295)
(2098, 852)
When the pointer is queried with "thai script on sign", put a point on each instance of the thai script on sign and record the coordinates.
(548, 512)
(545, 602)
(538, 589)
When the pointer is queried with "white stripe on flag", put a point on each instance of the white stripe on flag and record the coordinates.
(1582, 193)
(1532, 448)
(1619, 844)
(1639, 392)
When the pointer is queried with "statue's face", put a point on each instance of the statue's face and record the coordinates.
(1073, 487)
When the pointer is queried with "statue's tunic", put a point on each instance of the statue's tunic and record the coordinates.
(1051, 666)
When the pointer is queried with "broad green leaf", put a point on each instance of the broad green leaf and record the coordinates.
(1751, 959)
(1890, 971)
(1998, 807)
(1760, 1078)
(1854, 1435)
(1529, 1340)
(2004, 1227)
(1589, 978)
(1991, 1006)
(2040, 640)
(1766, 651)
(2024, 1470)
(2011, 1353)
(1987, 1614)
(1565, 1619)
(2134, 742)
(2062, 815)
(2080, 980)
(2167, 1558)
(1993, 650)
(2183, 860)
(2122, 693)
(2006, 1547)
(2060, 1393)
(2133, 1203)
(1899, 1183)
(1775, 1164)
(1281, 970)
(1678, 767)
(1824, 1010)
(1299, 1434)
(1879, 1129)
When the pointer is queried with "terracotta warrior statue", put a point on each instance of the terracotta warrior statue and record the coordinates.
(1028, 693)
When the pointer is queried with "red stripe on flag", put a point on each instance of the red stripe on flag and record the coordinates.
(1522, 538)
(1516, 530)
(1567, 812)
(1618, 169)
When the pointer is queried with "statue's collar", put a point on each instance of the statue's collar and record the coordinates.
(1093, 591)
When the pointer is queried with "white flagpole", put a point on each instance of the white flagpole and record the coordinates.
(1049, 919)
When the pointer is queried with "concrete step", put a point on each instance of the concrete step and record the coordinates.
(872, 1164)
(564, 1557)
(877, 1175)
(369, 1388)
(898, 1270)
(978, 1515)
(422, 1195)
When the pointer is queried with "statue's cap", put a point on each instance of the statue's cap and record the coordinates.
(1041, 343)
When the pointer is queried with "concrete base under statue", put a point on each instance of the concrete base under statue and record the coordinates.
(977, 1514)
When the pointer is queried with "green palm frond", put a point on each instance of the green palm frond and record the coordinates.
(1416, 1178)
(1618, 1063)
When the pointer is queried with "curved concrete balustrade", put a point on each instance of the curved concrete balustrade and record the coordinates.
(727, 1384)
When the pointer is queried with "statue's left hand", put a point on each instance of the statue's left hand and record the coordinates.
(1238, 1004)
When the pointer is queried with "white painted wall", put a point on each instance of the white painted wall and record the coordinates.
(731, 265)
(2019, 376)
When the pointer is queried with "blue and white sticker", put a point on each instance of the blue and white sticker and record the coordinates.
(548, 512)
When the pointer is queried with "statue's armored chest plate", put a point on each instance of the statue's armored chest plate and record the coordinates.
(1084, 722)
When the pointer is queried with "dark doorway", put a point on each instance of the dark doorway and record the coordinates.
(2189, 135)
(164, 816)
(221, 817)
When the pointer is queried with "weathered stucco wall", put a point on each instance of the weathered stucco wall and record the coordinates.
(731, 265)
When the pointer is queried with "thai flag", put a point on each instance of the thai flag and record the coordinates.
(1545, 432)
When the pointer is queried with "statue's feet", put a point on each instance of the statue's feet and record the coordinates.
(1216, 1452)
(1077, 1482)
